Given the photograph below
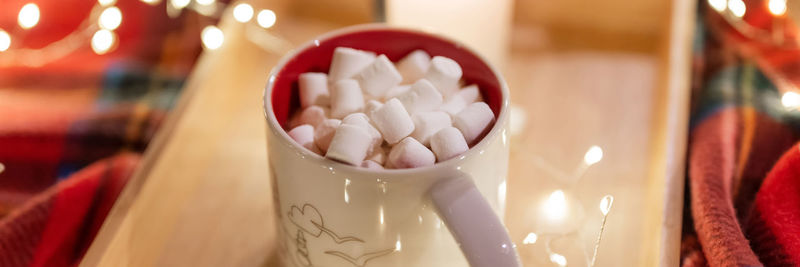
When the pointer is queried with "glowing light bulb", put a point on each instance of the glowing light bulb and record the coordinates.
(28, 16)
(777, 7)
(103, 41)
(558, 259)
(530, 238)
(555, 208)
(605, 204)
(243, 12)
(179, 3)
(206, 2)
(106, 2)
(5, 41)
(110, 19)
(212, 37)
(718, 5)
(790, 100)
(593, 155)
(737, 7)
(151, 2)
(266, 18)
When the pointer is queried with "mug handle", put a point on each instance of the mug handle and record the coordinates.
(472, 222)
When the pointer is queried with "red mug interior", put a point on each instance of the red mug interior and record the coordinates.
(395, 44)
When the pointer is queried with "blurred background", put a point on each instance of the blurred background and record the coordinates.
(129, 128)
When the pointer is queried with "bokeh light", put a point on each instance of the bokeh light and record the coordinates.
(28, 16)
(777, 7)
(205, 2)
(266, 18)
(593, 155)
(790, 100)
(737, 7)
(243, 12)
(212, 37)
(718, 5)
(5, 41)
(110, 19)
(103, 41)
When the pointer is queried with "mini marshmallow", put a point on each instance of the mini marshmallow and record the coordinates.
(421, 97)
(426, 124)
(361, 120)
(392, 121)
(448, 143)
(379, 77)
(378, 155)
(409, 153)
(444, 73)
(346, 98)
(312, 115)
(371, 106)
(414, 65)
(473, 120)
(460, 100)
(349, 144)
(324, 132)
(471, 93)
(304, 136)
(371, 165)
(348, 62)
(313, 89)
(397, 91)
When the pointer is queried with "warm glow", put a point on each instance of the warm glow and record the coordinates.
(737, 7)
(398, 246)
(2, 167)
(777, 7)
(718, 5)
(530, 238)
(243, 12)
(151, 2)
(5, 41)
(266, 18)
(555, 208)
(205, 2)
(790, 100)
(180, 3)
(106, 2)
(110, 19)
(380, 214)
(593, 155)
(103, 41)
(558, 259)
(212, 37)
(605, 204)
(28, 16)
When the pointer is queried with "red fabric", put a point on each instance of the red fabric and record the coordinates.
(774, 226)
(712, 163)
(56, 227)
(71, 128)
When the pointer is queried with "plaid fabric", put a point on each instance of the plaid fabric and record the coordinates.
(71, 129)
(739, 130)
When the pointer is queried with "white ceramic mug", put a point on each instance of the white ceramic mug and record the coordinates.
(333, 214)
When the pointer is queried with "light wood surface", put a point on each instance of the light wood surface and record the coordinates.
(202, 196)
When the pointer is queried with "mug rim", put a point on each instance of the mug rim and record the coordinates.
(274, 126)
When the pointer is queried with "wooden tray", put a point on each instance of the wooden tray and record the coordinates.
(202, 194)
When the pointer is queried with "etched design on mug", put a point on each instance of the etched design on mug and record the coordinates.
(311, 224)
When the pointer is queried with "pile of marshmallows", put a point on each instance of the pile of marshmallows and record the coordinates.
(367, 112)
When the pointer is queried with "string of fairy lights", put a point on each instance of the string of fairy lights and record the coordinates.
(98, 30)
(733, 11)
